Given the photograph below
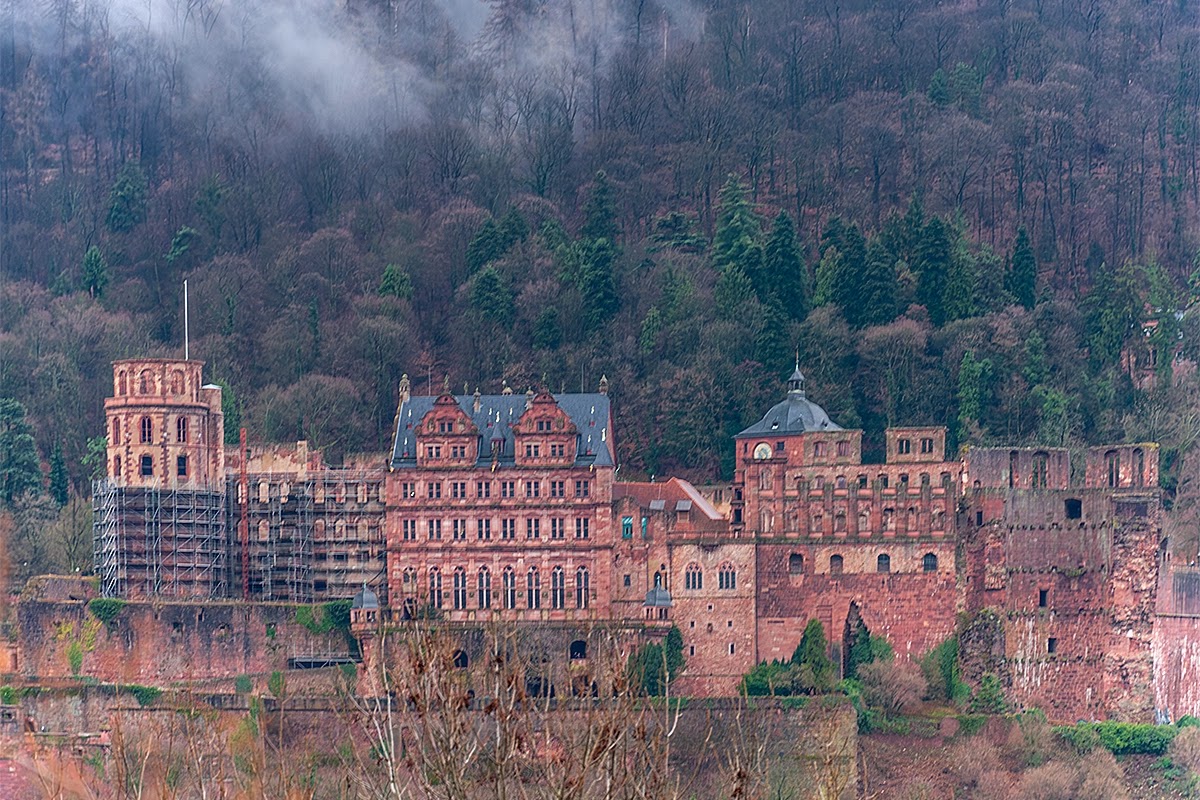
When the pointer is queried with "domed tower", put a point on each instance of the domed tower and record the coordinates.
(160, 516)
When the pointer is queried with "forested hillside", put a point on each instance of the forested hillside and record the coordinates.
(954, 212)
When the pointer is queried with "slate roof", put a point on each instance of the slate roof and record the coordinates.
(495, 419)
(796, 414)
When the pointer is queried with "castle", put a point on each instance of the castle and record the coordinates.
(507, 506)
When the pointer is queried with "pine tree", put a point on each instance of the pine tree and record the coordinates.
(59, 482)
(1022, 271)
(597, 282)
(231, 410)
(513, 227)
(733, 291)
(958, 298)
(784, 270)
(939, 88)
(845, 290)
(127, 200)
(935, 260)
(834, 235)
(973, 377)
(547, 335)
(735, 241)
(491, 295)
(95, 271)
(877, 290)
(813, 652)
(829, 276)
(395, 283)
(600, 211)
(486, 246)
(20, 468)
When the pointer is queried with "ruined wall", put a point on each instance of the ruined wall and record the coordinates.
(1176, 643)
(161, 643)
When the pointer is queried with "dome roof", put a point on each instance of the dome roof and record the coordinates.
(796, 414)
(365, 599)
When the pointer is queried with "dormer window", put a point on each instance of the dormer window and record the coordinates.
(543, 425)
(445, 426)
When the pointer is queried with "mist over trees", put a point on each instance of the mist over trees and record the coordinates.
(956, 213)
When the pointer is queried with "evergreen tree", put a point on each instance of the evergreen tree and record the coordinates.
(486, 246)
(973, 377)
(834, 235)
(939, 88)
(547, 334)
(845, 290)
(1022, 271)
(1114, 306)
(876, 304)
(735, 240)
(59, 481)
(859, 650)
(491, 296)
(127, 200)
(231, 410)
(20, 468)
(95, 460)
(181, 243)
(395, 283)
(600, 211)
(513, 227)
(935, 261)
(1034, 370)
(958, 298)
(651, 327)
(771, 344)
(597, 282)
(902, 234)
(829, 276)
(95, 271)
(733, 291)
(783, 269)
(813, 652)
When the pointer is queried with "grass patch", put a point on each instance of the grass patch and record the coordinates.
(106, 609)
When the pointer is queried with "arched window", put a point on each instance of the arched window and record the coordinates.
(583, 587)
(1139, 467)
(883, 563)
(929, 562)
(839, 521)
(123, 382)
(435, 587)
(883, 481)
(835, 565)
(693, 577)
(116, 433)
(460, 588)
(145, 382)
(410, 580)
(841, 481)
(889, 519)
(509, 580)
(938, 519)
(1041, 469)
(816, 523)
(533, 588)
(1112, 463)
(795, 564)
(726, 576)
(460, 659)
(484, 586)
(181, 429)
(864, 521)
(577, 650)
(177, 382)
(147, 430)
(558, 588)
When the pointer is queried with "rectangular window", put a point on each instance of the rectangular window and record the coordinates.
(508, 529)
(1052, 645)
(558, 450)
(508, 489)
(843, 449)
(626, 527)
(484, 529)
(582, 525)
(460, 530)
(927, 446)
(458, 451)
(583, 488)
(557, 529)
(483, 489)
(435, 530)
(818, 449)
(558, 488)
(445, 426)
(532, 451)
(147, 466)
(1043, 597)
(434, 489)
(410, 530)
(543, 425)
(533, 488)
(628, 580)
(533, 529)
(406, 490)
(433, 451)
(181, 466)
(458, 490)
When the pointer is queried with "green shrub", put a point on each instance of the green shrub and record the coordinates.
(771, 678)
(989, 698)
(106, 609)
(308, 617)
(145, 695)
(1120, 738)
(1188, 721)
(971, 724)
(940, 667)
(337, 614)
(8, 696)
(277, 685)
(243, 685)
(75, 657)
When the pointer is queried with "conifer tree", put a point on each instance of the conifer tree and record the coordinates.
(513, 227)
(735, 241)
(845, 290)
(20, 470)
(829, 276)
(395, 283)
(95, 271)
(784, 270)
(732, 292)
(600, 212)
(59, 482)
(973, 376)
(491, 295)
(877, 290)
(935, 260)
(127, 200)
(1022, 271)
(958, 298)
(486, 246)
(597, 282)
(547, 334)
(813, 652)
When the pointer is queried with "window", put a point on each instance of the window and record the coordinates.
(889, 519)
(862, 481)
(839, 522)
(434, 490)
(1013, 477)
(558, 488)
(1040, 470)
(558, 588)
(483, 489)
(1052, 645)
(433, 451)
(181, 466)
(732, 648)
(145, 382)
(460, 530)
(1139, 468)
(645, 527)
(533, 529)
(626, 527)
(581, 527)
(406, 490)
(533, 488)
(1113, 465)
(927, 446)
(835, 565)
(542, 426)
(181, 429)
(410, 579)
(693, 577)
(458, 490)
(843, 449)
(532, 451)
(883, 563)
(780, 447)
(483, 530)
(766, 480)
(818, 449)
(459, 659)
(116, 432)
(816, 523)
(726, 577)
(124, 381)
(583, 584)
(795, 564)
(577, 650)
(445, 426)
(116, 469)
(509, 579)
(435, 530)
(147, 466)
(840, 482)
(583, 488)
(1073, 508)
(533, 588)
(628, 580)
(557, 529)
(410, 530)
(903, 446)
(435, 587)
(458, 451)
(460, 588)
(929, 562)
(147, 431)
(508, 529)
(558, 450)
(508, 489)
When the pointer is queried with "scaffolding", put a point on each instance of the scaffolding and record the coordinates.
(159, 541)
(278, 516)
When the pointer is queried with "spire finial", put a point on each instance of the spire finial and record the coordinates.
(795, 383)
